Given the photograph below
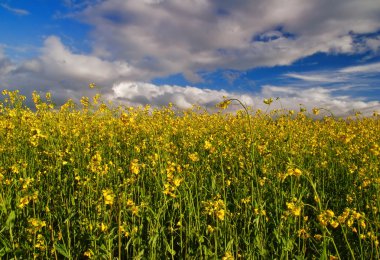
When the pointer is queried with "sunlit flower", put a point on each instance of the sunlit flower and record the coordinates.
(108, 197)
(103, 227)
(268, 101)
(24, 201)
(135, 166)
(224, 104)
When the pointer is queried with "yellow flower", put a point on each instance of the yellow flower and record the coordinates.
(245, 200)
(228, 256)
(23, 202)
(135, 210)
(268, 101)
(220, 214)
(362, 224)
(210, 229)
(108, 197)
(356, 215)
(297, 172)
(224, 104)
(85, 102)
(330, 213)
(334, 223)
(302, 233)
(103, 227)
(294, 209)
(322, 220)
(177, 182)
(207, 145)
(35, 225)
(135, 167)
(194, 157)
(88, 253)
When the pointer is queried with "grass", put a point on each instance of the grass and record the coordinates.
(95, 181)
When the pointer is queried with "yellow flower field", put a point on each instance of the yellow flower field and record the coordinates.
(96, 181)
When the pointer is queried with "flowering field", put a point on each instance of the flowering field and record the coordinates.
(94, 181)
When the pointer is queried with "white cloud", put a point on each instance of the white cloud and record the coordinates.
(358, 77)
(64, 73)
(374, 43)
(315, 77)
(367, 68)
(15, 10)
(320, 97)
(141, 93)
(173, 36)
(57, 63)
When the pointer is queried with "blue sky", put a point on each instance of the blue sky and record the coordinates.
(318, 53)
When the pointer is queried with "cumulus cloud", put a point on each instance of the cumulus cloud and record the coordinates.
(320, 97)
(141, 93)
(173, 36)
(59, 70)
(59, 62)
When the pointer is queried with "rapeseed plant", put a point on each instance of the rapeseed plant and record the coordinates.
(100, 181)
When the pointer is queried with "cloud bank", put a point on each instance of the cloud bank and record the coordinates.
(140, 93)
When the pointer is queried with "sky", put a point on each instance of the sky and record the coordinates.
(315, 53)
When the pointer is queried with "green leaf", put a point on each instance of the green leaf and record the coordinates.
(10, 220)
(6, 246)
(171, 251)
(139, 256)
(62, 250)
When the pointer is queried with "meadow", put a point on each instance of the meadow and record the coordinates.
(95, 181)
